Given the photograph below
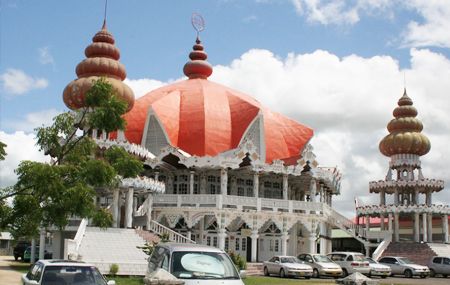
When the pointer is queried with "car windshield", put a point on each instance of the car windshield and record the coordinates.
(72, 275)
(370, 260)
(202, 265)
(404, 260)
(321, 258)
(358, 257)
(290, 259)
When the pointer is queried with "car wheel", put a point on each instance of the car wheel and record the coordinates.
(423, 276)
(282, 274)
(384, 277)
(444, 275)
(307, 277)
(344, 272)
(408, 273)
(432, 273)
(266, 271)
(16, 257)
(315, 273)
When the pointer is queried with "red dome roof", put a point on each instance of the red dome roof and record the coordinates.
(205, 118)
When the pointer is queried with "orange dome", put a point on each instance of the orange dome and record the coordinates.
(205, 118)
(405, 135)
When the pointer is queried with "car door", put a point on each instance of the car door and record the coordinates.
(446, 266)
(274, 265)
(437, 265)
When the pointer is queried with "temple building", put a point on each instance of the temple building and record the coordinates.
(406, 206)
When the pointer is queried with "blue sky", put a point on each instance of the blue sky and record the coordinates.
(341, 62)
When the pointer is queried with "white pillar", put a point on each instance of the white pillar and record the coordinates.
(156, 175)
(382, 198)
(115, 208)
(254, 237)
(223, 181)
(390, 222)
(367, 223)
(222, 234)
(201, 228)
(323, 240)
(255, 184)
(396, 228)
(189, 234)
(424, 228)
(321, 194)
(430, 227)
(284, 238)
(149, 209)
(396, 197)
(191, 182)
(428, 199)
(416, 227)
(312, 243)
(285, 186)
(445, 227)
(33, 251)
(416, 197)
(202, 184)
(313, 190)
(382, 226)
(129, 208)
(42, 243)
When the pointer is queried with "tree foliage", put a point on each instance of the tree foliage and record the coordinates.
(48, 194)
(2, 151)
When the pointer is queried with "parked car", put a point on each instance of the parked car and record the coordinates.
(60, 272)
(404, 266)
(439, 265)
(377, 269)
(20, 248)
(194, 264)
(322, 265)
(285, 266)
(350, 262)
(27, 254)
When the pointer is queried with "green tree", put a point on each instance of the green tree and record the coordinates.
(48, 194)
(2, 151)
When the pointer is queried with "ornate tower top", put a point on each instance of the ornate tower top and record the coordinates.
(405, 135)
(102, 61)
(198, 67)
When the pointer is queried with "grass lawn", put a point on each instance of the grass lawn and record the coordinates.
(127, 280)
(260, 280)
(20, 266)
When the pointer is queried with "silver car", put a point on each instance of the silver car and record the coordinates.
(322, 265)
(287, 266)
(404, 266)
(377, 269)
(439, 265)
(350, 262)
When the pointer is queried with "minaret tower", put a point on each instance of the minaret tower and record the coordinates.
(409, 192)
(102, 61)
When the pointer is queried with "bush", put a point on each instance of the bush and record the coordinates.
(239, 261)
(113, 269)
(148, 247)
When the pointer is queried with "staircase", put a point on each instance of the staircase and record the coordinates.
(254, 269)
(419, 253)
(440, 249)
(103, 247)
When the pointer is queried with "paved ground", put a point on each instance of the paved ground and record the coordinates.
(8, 276)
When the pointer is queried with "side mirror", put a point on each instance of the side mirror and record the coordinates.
(243, 274)
(396, 263)
(111, 282)
(277, 261)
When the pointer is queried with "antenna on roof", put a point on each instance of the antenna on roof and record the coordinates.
(104, 17)
(198, 23)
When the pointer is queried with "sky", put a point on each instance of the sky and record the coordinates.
(336, 66)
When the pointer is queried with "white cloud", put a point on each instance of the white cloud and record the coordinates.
(17, 82)
(141, 87)
(433, 31)
(20, 146)
(33, 120)
(348, 102)
(45, 56)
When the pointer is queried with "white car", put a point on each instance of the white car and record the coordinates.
(194, 264)
(403, 266)
(287, 266)
(64, 272)
(322, 265)
(377, 269)
(350, 262)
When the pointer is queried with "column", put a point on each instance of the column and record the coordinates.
(424, 228)
(367, 223)
(396, 197)
(312, 243)
(33, 251)
(313, 190)
(156, 175)
(428, 199)
(284, 238)
(201, 228)
(445, 227)
(390, 222)
(191, 182)
(255, 184)
(382, 198)
(135, 205)
(396, 228)
(323, 240)
(149, 209)
(202, 184)
(430, 227)
(223, 182)
(115, 207)
(254, 237)
(321, 194)
(222, 234)
(416, 197)
(416, 227)
(285, 186)
(129, 208)
(189, 234)
(41, 243)
(382, 226)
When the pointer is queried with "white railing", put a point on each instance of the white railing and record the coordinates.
(159, 229)
(382, 246)
(239, 202)
(73, 245)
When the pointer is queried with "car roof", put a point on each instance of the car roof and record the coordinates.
(281, 256)
(64, 262)
(346, 252)
(172, 246)
(441, 256)
(392, 256)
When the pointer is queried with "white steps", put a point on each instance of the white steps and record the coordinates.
(440, 249)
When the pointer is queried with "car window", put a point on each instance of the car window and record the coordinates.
(387, 260)
(35, 272)
(337, 257)
(272, 259)
(202, 265)
(350, 258)
(359, 257)
(437, 260)
(165, 261)
(72, 274)
(301, 257)
(446, 261)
